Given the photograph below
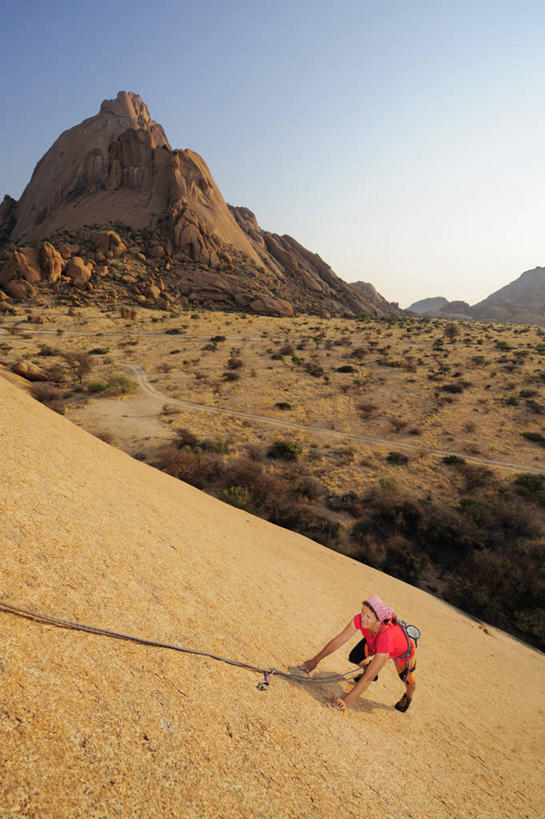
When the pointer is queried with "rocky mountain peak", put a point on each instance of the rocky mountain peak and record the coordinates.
(117, 168)
(128, 110)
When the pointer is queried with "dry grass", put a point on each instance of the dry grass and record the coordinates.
(468, 396)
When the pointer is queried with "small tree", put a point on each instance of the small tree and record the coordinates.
(80, 364)
(451, 331)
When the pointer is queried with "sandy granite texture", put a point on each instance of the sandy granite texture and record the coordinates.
(94, 727)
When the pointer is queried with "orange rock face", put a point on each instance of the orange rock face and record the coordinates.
(23, 265)
(78, 272)
(51, 262)
(118, 167)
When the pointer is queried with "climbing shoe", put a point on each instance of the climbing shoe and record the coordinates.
(403, 703)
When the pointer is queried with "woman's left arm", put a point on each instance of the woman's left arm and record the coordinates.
(376, 664)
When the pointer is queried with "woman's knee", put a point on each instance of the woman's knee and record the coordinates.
(358, 653)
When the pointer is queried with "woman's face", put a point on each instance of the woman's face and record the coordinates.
(368, 619)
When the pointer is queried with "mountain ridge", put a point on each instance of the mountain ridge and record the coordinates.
(117, 167)
(522, 301)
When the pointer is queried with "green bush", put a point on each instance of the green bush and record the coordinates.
(529, 484)
(239, 496)
(285, 450)
(453, 460)
(397, 458)
(97, 386)
(121, 384)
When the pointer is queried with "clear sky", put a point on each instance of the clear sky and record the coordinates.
(402, 140)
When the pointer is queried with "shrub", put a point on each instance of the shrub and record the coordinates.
(99, 351)
(367, 410)
(530, 482)
(535, 437)
(219, 445)
(283, 405)
(121, 384)
(285, 450)
(216, 339)
(453, 460)
(535, 406)
(346, 368)
(173, 331)
(476, 477)
(185, 438)
(329, 533)
(313, 368)
(197, 468)
(96, 386)
(397, 424)
(230, 375)
(451, 331)
(349, 502)
(49, 395)
(239, 496)
(397, 458)
(235, 363)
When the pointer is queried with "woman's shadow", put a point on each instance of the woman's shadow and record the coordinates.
(324, 691)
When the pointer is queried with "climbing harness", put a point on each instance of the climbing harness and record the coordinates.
(263, 685)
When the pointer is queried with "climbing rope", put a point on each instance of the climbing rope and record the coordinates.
(47, 619)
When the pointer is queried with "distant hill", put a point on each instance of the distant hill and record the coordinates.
(428, 306)
(520, 302)
(117, 170)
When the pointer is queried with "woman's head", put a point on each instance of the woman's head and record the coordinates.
(378, 608)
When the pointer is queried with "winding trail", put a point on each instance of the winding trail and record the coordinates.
(373, 440)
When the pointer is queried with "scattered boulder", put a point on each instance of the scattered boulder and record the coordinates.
(271, 306)
(78, 272)
(128, 313)
(30, 371)
(51, 262)
(152, 291)
(20, 290)
(22, 264)
(66, 250)
(157, 252)
(110, 243)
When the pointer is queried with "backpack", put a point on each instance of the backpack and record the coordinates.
(410, 632)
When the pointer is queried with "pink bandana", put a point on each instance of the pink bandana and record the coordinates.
(380, 608)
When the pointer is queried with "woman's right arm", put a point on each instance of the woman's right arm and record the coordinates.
(329, 648)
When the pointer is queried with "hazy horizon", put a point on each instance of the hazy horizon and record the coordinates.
(404, 145)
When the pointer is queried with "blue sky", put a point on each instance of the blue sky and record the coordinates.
(402, 141)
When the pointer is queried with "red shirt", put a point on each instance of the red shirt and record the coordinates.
(390, 639)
